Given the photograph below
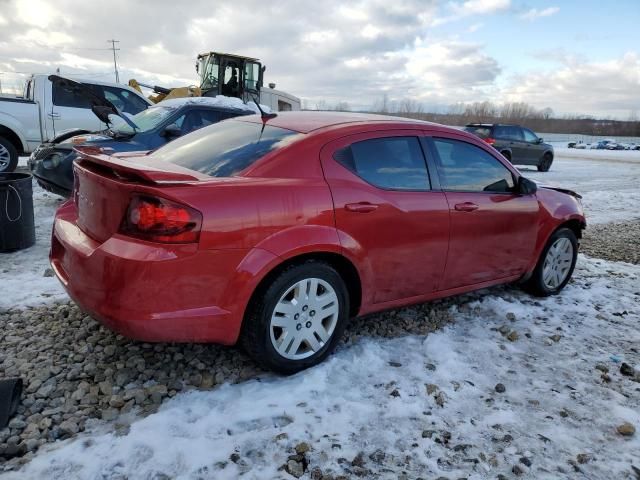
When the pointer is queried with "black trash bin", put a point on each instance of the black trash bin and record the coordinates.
(17, 230)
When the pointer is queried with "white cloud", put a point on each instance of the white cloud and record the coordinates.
(479, 7)
(315, 50)
(535, 14)
(579, 86)
(471, 7)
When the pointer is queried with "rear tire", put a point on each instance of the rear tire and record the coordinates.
(506, 155)
(8, 156)
(545, 165)
(297, 319)
(555, 265)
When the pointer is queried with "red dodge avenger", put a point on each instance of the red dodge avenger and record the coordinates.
(273, 232)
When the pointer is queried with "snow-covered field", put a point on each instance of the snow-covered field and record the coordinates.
(557, 413)
(414, 406)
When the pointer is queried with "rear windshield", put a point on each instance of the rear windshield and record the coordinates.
(481, 131)
(226, 148)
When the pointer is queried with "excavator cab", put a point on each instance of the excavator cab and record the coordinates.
(229, 75)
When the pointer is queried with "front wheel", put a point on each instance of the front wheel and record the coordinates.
(8, 156)
(296, 320)
(556, 264)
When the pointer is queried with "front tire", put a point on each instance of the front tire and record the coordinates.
(556, 264)
(8, 156)
(297, 319)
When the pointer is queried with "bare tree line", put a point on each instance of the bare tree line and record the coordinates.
(522, 113)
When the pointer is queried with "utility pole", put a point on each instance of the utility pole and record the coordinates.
(115, 64)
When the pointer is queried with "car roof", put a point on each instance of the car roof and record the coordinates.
(220, 102)
(308, 121)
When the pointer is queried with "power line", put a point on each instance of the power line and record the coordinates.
(115, 64)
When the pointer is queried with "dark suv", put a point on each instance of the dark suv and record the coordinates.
(519, 145)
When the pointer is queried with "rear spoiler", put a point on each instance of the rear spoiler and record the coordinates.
(125, 164)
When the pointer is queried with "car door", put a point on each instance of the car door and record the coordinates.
(493, 228)
(71, 108)
(534, 147)
(387, 213)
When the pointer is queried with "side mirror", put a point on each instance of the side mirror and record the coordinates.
(540, 140)
(526, 186)
(172, 131)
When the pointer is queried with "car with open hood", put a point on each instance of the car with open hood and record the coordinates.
(51, 105)
(52, 162)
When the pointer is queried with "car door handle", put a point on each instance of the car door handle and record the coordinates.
(53, 115)
(465, 207)
(362, 207)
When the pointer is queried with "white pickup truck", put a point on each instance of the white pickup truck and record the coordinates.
(46, 109)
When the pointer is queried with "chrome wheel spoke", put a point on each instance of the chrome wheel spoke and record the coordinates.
(557, 263)
(304, 319)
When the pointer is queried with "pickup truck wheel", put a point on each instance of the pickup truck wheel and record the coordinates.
(8, 156)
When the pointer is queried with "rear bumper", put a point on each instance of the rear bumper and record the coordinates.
(147, 291)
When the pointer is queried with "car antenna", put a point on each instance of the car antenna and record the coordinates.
(263, 114)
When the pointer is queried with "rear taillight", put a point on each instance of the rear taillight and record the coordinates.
(490, 140)
(160, 220)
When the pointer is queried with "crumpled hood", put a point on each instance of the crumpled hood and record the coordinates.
(561, 190)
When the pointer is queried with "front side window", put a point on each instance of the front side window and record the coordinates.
(529, 136)
(251, 76)
(395, 163)
(125, 100)
(464, 167)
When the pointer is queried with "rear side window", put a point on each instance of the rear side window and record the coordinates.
(483, 131)
(508, 132)
(225, 149)
(395, 163)
(464, 167)
(70, 96)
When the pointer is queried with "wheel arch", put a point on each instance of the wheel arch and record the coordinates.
(508, 152)
(345, 268)
(12, 137)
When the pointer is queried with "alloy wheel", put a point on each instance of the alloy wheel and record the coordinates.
(304, 319)
(557, 263)
(5, 158)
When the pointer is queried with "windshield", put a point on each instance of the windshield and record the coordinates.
(225, 149)
(146, 120)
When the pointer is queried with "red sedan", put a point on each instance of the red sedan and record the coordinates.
(275, 231)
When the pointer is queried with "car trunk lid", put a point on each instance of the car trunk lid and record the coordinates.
(104, 185)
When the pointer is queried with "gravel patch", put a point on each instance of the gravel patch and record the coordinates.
(80, 375)
(613, 241)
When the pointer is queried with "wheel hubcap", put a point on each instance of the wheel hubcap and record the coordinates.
(4, 157)
(304, 319)
(557, 263)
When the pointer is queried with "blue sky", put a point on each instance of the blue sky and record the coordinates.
(576, 57)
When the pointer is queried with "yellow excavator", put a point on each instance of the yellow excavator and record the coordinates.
(220, 74)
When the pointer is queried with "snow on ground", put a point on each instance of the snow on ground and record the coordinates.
(557, 412)
(23, 272)
(609, 181)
